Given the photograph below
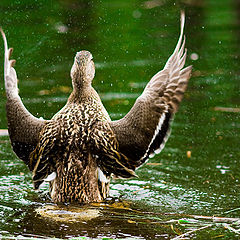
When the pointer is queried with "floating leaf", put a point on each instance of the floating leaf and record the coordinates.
(189, 153)
(154, 164)
(130, 221)
(44, 92)
(182, 221)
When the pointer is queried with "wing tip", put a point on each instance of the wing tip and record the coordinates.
(5, 43)
(179, 42)
(3, 34)
(182, 15)
(188, 69)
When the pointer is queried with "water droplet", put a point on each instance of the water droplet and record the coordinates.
(194, 56)
(136, 14)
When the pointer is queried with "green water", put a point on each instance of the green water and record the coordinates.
(130, 41)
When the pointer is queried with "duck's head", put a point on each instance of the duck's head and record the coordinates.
(83, 69)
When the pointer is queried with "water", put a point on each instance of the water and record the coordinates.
(130, 41)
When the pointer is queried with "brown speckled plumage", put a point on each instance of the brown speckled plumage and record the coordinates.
(80, 148)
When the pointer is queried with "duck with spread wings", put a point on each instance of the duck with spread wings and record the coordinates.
(80, 148)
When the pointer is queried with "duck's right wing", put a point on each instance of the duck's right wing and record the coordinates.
(144, 131)
(23, 127)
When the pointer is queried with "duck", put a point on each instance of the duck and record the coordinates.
(80, 149)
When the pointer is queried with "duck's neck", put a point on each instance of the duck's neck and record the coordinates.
(80, 92)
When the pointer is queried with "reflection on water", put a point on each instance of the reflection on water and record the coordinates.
(67, 214)
(130, 42)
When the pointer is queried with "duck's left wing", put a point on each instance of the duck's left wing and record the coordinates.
(144, 131)
(23, 127)
(43, 158)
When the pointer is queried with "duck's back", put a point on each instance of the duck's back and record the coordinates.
(79, 116)
(65, 148)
